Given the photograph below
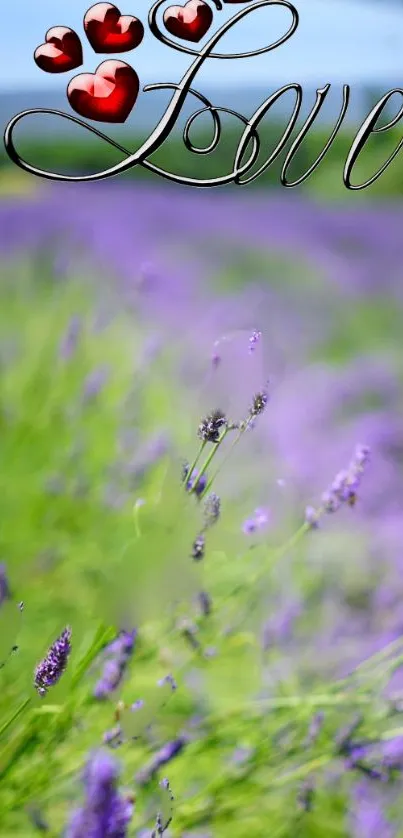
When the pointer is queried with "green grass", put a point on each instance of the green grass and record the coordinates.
(70, 559)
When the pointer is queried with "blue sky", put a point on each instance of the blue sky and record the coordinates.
(339, 41)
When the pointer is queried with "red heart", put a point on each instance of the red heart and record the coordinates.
(61, 51)
(109, 31)
(190, 21)
(108, 95)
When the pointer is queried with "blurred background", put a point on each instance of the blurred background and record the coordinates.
(99, 281)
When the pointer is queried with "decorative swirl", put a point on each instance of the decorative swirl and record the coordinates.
(217, 134)
(167, 121)
(186, 181)
(217, 131)
(15, 157)
(154, 28)
(202, 98)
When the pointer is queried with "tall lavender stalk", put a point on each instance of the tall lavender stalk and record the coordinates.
(4, 585)
(105, 813)
(118, 655)
(51, 668)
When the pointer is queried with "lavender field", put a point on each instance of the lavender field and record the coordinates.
(201, 450)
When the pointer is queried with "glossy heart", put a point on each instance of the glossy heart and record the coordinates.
(190, 21)
(62, 51)
(108, 95)
(109, 31)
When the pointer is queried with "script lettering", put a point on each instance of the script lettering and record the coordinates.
(368, 128)
(169, 119)
(254, 121)
(320, 98)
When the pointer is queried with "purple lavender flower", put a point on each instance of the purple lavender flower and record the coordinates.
(279, 626)
(51, 668)
(257, 522)
(163, 819)
(118, 653)
(376, 760)
(368, 819)
(198, 548)
(168, 679)
(70, 340)
(212, 509)
(205, 604)
(346, 484)
(94, 383)
(211, 427)
(242, 755)
(154, 449)
(364, 758)
(254, 340)
(105, 814)
(249, 526)
(113, 737)
(4, 586)
(344, 488)
(343, 738)
(215, 360)
(259, 402)
(305, 796)
(168, 752)
(314, 728)
(311, 517)
(200, 485)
